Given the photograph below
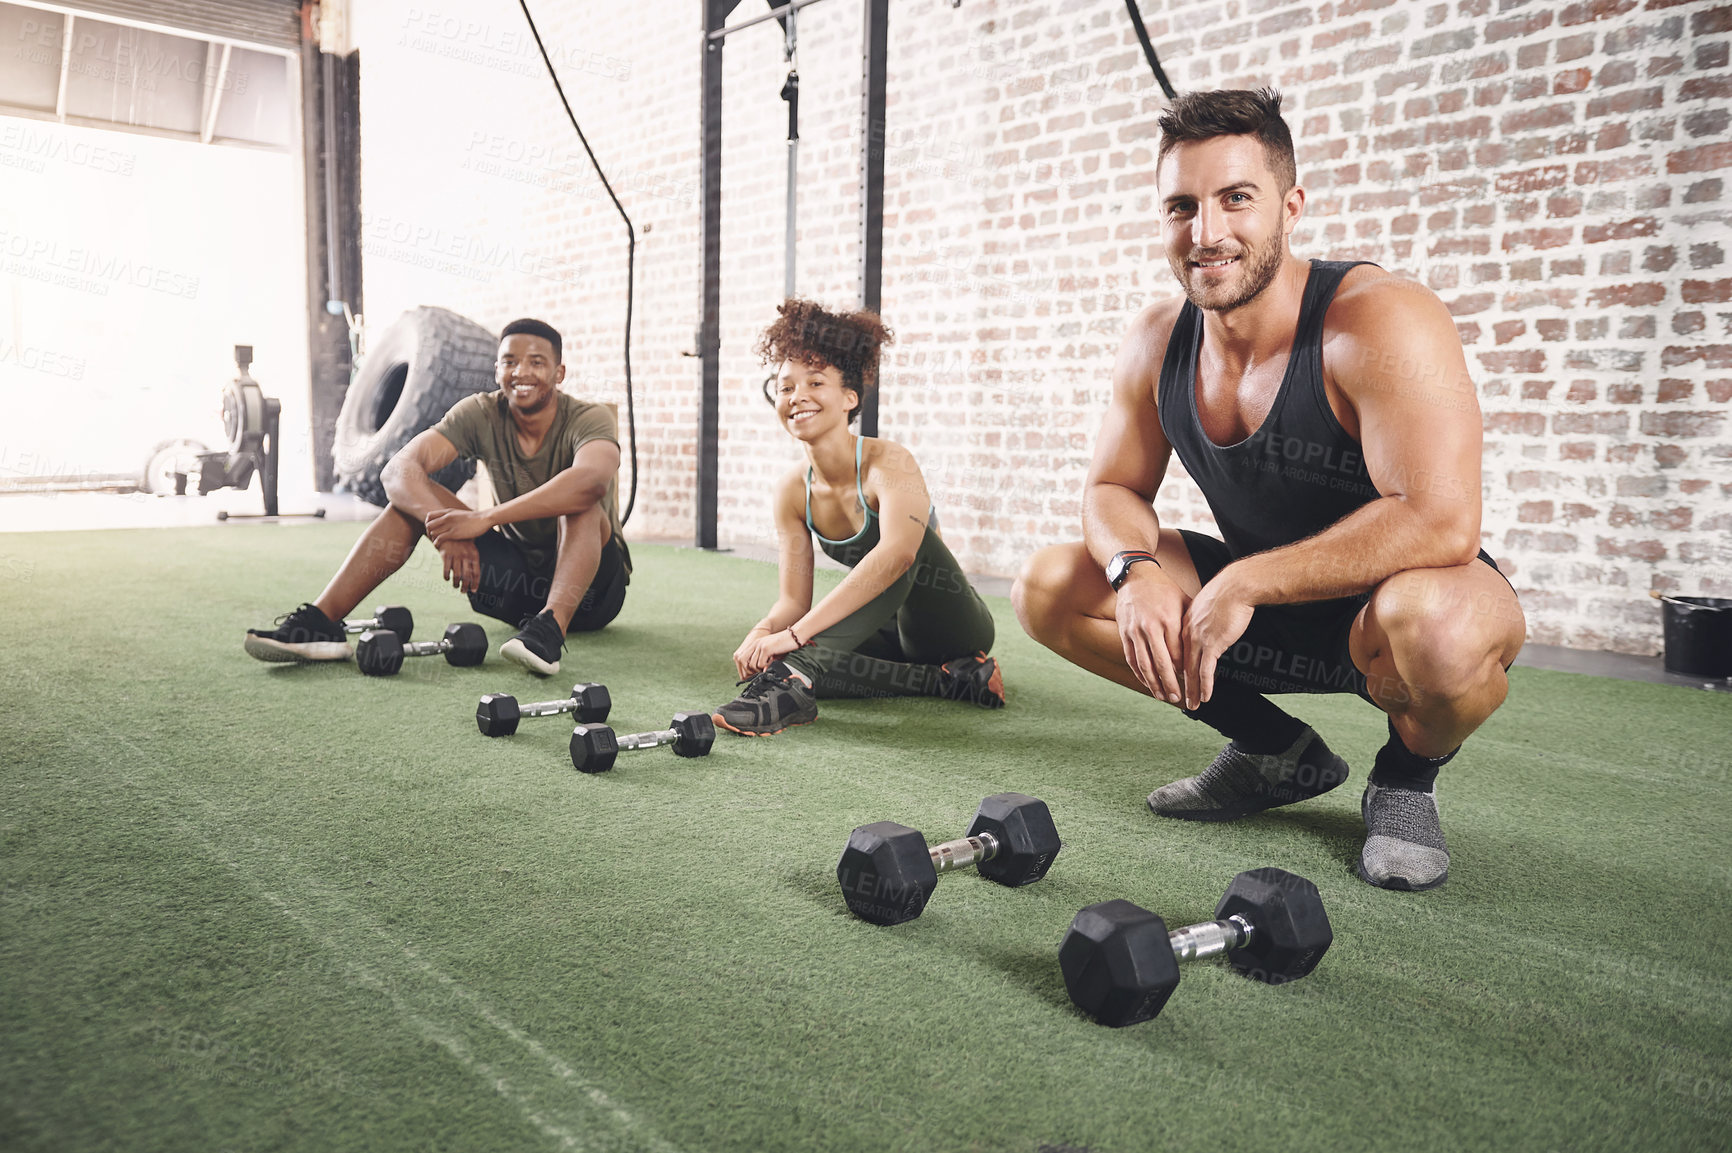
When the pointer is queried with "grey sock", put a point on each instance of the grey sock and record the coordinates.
(1239, 783)
(1404, 845)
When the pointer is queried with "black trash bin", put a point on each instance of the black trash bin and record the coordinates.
(1698, 633)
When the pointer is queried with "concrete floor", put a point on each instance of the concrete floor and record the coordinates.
(53, 512)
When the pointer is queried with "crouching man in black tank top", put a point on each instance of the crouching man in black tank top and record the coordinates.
(1326, 413)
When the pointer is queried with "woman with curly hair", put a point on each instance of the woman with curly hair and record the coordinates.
(905, 621)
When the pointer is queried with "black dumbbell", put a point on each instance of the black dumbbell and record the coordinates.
(1120, 964)
(888, 873)
(595, 747)
(380, 652)
(498, 713)
(393, 617)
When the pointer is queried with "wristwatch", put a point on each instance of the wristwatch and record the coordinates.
(1120, 566)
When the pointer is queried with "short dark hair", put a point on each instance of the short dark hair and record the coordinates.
(1232, 112)
(537, 328)
(811, 334)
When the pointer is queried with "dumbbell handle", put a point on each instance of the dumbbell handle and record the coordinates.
(1194, 942)
(426, 648)
(547, 708)
(963, 852)
(646, 740)
(361, 626)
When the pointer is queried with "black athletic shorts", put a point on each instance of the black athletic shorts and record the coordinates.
(511, 592)
(1289, 648)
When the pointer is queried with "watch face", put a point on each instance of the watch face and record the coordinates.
(1120, 567)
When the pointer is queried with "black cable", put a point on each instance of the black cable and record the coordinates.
(1149, 50)
(630, 257)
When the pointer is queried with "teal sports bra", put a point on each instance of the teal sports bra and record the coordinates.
(850, 552)
(859, 494)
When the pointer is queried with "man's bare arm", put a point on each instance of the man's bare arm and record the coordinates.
(1396, 356)
(1131, 453)
(1130, 462)
(571, 490)
(409, 484)
(408, 476)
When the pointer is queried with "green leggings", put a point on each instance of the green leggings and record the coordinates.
(893, 645)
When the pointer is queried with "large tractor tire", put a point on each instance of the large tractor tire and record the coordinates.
(427, 361)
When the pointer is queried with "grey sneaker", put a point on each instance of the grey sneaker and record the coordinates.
(1239, 783)
(777, 698)
(1404, 846)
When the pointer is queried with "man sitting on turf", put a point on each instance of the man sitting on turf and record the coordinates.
(548, 557)
(1326, 412)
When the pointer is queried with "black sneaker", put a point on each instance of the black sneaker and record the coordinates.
(1240, 783)
(303, 635)
(775, 699)
(537, 644)
(974, 678)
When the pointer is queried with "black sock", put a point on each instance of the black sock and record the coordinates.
(1399, 768)
(1250, 720)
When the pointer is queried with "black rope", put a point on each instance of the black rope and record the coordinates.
(630, 257)
(1149, 50)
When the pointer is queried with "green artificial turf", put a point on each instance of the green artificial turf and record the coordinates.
(246, 907)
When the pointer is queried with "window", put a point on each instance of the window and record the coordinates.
(104, 73)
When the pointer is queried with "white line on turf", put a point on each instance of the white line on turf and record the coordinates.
(525, 1083)
(435, 1005)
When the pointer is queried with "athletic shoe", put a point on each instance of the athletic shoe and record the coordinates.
(303, 635)
(537, 644)
(1404, 846)
(974, 678)
(1240, 783)
(775, 699)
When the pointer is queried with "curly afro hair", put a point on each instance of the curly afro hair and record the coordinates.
(811, 334)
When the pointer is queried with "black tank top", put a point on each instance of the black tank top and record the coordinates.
(1299, 472)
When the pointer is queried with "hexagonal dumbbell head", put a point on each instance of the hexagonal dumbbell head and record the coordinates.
(497, 715)
(1027, 839)
(379, 653)
(694, 734)
(1290, 930)
(468, 645)
(1118, 965)
(591, 703)
(886, 873)
(396, 618)
(593, 748)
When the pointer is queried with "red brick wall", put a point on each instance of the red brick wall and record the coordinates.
(1552, 170)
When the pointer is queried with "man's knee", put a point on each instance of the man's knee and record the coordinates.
(592, 522)
(392, 538)
(402, 521)
(1440, 634)
(1040, 594)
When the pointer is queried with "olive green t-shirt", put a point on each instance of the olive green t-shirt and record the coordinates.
(480, 428)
